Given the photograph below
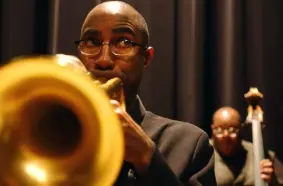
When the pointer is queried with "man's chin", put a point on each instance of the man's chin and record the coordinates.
(227, 151)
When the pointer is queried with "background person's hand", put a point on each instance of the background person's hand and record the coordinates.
(266, 167)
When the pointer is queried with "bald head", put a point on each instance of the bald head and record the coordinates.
(114, 43)
(121, 9)
(226, 125)
(226, 116)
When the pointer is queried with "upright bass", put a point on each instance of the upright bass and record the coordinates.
(255, 118)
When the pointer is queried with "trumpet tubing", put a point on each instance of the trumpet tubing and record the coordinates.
(56, 126)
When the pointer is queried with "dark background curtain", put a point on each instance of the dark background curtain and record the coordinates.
(208, 53)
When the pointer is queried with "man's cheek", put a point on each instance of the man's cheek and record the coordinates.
(89, 64)
(132, 71)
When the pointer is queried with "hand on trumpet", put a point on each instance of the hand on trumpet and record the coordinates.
(139, 147)
(266, 167)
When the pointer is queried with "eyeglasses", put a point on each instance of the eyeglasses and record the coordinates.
(231, 131)
(119, 47)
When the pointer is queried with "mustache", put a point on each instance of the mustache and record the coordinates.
(108, 74)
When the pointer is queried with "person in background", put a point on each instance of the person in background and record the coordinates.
(233, 155)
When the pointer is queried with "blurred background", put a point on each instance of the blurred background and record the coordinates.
(207, 53)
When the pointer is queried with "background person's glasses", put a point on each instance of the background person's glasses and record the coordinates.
(231, 131)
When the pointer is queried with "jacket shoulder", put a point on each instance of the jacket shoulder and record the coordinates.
(158, 126)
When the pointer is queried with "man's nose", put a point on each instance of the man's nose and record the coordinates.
(225, 133)
(104, 61)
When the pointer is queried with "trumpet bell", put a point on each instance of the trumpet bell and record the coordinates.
(56, 127)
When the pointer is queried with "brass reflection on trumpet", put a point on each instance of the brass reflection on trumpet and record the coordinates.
(57, 126)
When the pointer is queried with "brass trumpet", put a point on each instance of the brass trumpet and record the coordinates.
(57, 126)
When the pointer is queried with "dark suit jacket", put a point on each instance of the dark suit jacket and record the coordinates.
(183, 154)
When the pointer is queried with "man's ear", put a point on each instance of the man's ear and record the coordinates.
(212, 126)
(148, 56)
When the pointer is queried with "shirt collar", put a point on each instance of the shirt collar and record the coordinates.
(137, 111)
